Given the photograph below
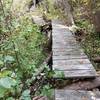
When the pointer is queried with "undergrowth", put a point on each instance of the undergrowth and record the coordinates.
(21, 56)
(91, 41)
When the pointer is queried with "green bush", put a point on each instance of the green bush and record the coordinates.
(20, 57)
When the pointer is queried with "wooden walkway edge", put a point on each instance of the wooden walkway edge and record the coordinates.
(68, 56)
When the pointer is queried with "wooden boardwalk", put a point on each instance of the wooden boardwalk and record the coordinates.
(68, 56)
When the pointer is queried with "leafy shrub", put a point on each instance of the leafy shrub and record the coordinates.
(20, 57)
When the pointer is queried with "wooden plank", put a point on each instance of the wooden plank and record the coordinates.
(68, 57)
(65, 38)
(65, 34)
(64, 29)
(64, 67)
(67, 50)
(65, 47)
(71, 43)
(75, 73)
(65, 43)
(61, 94)
(69, 53)
(71, 62)
(55, 41)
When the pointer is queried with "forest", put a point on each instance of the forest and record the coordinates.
(28, 38)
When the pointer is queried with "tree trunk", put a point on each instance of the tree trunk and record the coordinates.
(95, 16)
(34, 1)
(68, 12)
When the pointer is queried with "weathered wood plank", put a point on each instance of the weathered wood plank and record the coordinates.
(76, 95)
(69, 53)
(63, 30)
(65, 44)
(64, 67)
(72, 64)
(68, 35)
(66, 47)
(68, 57)
(82, 73)
(64, 38)
(67, 50)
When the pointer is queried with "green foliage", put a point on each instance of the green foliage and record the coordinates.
(84, 15)
(82, 23)
(20, 58)
(59, 74)
(91, 41)
(6, 85)
(21, 54)
(45, 93)
(48, 7)
(26, 95)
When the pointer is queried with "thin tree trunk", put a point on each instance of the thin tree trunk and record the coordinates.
(34, 1)
(68, 11)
